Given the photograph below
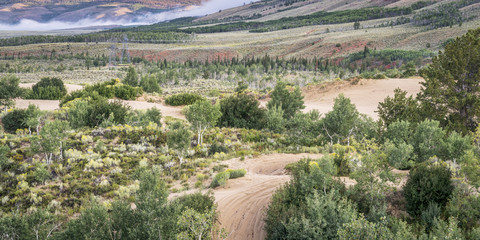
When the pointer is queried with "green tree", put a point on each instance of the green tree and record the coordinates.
(195, 225)
(53, 139)
(34, 116)
(428, 140)
(202, 115)
(449, 92)
(132, 77)
(341, 123)
(178, 138)
(426, 184)
(274, 120)
(291, 101)
(9, 89)
(241, 111)
(50, 88)
(400, 107)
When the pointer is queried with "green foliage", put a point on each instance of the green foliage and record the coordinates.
(361, 229)
(41, 174)
(340, 123)
(39, 224)
(202, 115)
(241, 111)
(274, 120)
(183, 99)
(451, 81)
(442, 16)
(110, 89)
(217, 148)
(195, 225)
(427, 184)
(399, 156)
(9, 89)
(287, 213)
(306, 125)
(236, 173)
(48, 88)
(4, 150)
(465, 207)
(428, 140)
(220, 179)
(445, 230)
(132, 77)
(101, 111)
(291, 101)
(429, 216)
(52, 140)
(150, 84)
(16, 119)
(179, 139)
(398, 108)
(323, 216)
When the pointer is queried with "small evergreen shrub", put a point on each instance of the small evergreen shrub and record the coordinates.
(427, 184)
(14, 120)
(49, 89)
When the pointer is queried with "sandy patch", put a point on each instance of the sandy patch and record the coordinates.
(365, 95)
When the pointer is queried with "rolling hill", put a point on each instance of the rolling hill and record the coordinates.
(72, 11)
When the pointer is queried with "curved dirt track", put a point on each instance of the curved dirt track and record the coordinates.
(242, 202)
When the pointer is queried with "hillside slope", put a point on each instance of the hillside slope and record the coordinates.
(75, 10)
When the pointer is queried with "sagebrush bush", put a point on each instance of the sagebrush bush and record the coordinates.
(220, 179)
(183, 99)
(236, 173)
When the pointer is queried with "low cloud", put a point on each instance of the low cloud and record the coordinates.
(208, 7)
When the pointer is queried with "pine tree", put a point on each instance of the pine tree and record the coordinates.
(450, 90)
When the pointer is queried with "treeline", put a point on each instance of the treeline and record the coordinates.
(133, 36)
(442, 16)
(307, 20)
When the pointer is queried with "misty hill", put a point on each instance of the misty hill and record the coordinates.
(76, 10)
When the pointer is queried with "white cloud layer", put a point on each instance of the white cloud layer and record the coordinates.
(208, 7)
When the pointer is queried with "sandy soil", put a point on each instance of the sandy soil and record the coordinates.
(365, 95)
(243, 201)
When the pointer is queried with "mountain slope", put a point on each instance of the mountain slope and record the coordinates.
(75, 10)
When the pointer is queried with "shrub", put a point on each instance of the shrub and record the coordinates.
(183, 99)
(49, 88)
(16, 119)
(427, 184)
(236, 173)
(220, 179)
(241, 111)
(217, 148)
(399, 156)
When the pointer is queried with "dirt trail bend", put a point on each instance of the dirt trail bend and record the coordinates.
(242, 203)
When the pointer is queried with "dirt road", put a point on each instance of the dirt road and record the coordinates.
(243, 201)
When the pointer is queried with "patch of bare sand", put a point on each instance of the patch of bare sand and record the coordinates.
(365, 95)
